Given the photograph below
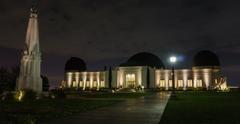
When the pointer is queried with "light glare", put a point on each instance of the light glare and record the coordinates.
(173, 59)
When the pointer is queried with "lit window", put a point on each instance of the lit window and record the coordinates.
(199, 83)
(130, 79)
(170, 83)
(180, 83)
(81, 83)
(75, 84)
(94, 83)
(162, 83)
(88, 84)
(190, 83)
(102, 84)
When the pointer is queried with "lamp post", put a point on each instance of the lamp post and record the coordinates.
(173, 60)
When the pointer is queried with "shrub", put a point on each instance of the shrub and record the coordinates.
(7, 96)
(24, 119)
(29, 95)
(57, 94)
(23, 95)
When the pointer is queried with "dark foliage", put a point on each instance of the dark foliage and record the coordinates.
(57, 94)
(45, 83)
(7, 96)
(8, 78)
(29, 95)
(105, 68)
(148, 78)
(110, 77)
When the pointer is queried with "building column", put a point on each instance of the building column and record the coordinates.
(84, 80)
(98, 80)
(166, 77)
(185, 79)
(166, 84)
(184, 84)
(195, 78)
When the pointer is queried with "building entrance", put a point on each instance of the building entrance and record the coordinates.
(130, 80)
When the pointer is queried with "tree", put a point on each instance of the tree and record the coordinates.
(45, 83)
(148, 77)
(110, 77)
(8, 78)
(4, 80)
(15, 70)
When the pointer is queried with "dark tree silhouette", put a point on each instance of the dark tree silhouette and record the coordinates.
(110, 77)
(45, 83)
(105, 68)
(148, 78)
(8, 78)
(4, 80)
(14, 75)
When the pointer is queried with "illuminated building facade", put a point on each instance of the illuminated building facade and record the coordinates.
(146, 70)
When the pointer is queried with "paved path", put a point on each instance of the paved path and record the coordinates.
(144, 110)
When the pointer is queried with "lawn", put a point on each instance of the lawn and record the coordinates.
(203, 108)
(110, 95)
(41, 110)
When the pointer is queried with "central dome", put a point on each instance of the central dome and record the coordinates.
(144, 59)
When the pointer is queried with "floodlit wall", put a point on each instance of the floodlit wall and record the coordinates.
(197, 77)
(136, 76)
(86, 79)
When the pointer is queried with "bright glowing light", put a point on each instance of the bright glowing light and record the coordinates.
(173, 59)
(20, 95)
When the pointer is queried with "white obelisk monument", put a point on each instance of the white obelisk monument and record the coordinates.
(30, 69)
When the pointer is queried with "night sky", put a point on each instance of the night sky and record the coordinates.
(108, 32)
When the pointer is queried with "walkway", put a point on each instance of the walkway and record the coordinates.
(144, 110)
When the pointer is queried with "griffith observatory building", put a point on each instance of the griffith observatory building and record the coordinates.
(146, 70)
(142, 70)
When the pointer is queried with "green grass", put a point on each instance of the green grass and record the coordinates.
(203, 108)
(42, 110)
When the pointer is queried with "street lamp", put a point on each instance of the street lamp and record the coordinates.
(173, 60)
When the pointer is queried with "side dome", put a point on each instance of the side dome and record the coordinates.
(206, 58)
(144, 59)
(75, 64)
